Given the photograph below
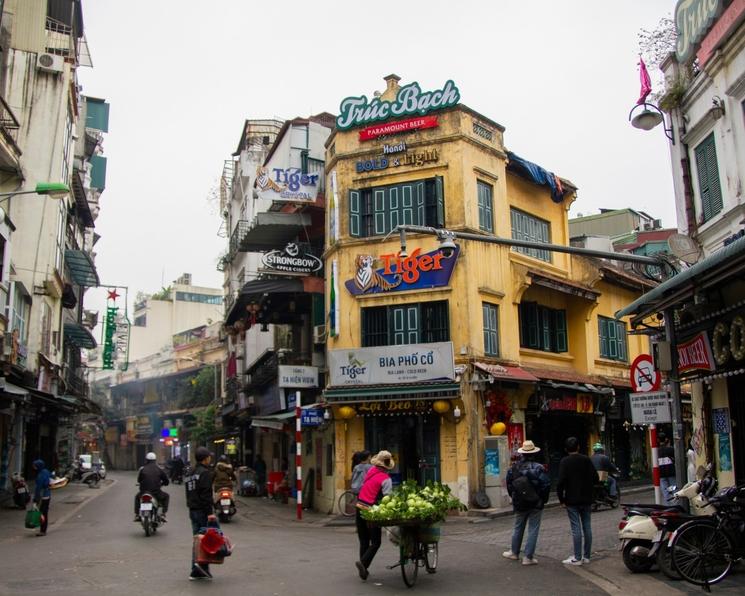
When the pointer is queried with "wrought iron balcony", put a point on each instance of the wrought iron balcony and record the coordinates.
(265, 370)
(10, 153)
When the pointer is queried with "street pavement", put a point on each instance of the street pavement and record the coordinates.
(93, 546)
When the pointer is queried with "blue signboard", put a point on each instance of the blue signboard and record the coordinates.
(311, 417)
(399, 273)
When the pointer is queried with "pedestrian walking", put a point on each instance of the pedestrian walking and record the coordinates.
(42, 494)
(377, 483)
(199, 501)
(666, 462)
(529, 486)
(575, 489)
(360, 469)
(691, 459)
(260, 469)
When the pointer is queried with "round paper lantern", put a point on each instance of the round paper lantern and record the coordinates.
(441, 406)
(498, 428)
(347, 412)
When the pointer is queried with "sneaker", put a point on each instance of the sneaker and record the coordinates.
(201, 570)
(363, 572)
(572, 561)
(508, 554)
(41, 533)
(208, 572)
(137, 518)
(585, 560)
(530, 561)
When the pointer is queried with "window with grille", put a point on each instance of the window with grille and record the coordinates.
(612, 339)
(491, 328)
(424, 322)
(708, 178)
(542, 328)
(526, 227)
(486, 209)
(378, 210)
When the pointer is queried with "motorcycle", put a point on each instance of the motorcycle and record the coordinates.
(645, 528)
(224, 504)
(149, 513)
(21, 496)
(601, 493)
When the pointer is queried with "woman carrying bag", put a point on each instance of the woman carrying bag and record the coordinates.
(377, 484)
(42, 495)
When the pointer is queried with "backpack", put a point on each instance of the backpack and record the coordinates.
(524, 495)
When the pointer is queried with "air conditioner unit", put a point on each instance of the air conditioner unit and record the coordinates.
(319, 334)
(50, 63)
(656, 224)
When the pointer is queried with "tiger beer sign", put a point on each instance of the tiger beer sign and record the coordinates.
(402, 272)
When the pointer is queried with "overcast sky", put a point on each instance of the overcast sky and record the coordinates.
(182, 76)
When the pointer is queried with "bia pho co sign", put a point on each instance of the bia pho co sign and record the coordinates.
(410, 100)
(291, 260)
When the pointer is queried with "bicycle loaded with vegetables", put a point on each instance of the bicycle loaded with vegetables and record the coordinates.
(377, 483)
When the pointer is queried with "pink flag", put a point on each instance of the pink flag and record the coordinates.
(646, 82)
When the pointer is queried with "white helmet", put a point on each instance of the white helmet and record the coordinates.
(150, 457)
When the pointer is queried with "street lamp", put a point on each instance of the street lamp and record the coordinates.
(55, 190)
(649, 117)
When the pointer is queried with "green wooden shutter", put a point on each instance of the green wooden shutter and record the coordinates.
(546, 328)
(399, 326)
(420, 218)
(708, 178)
(603, 333)
(440, 197)
(354, 213)
(561, 331)
(621, 335)
(407, 204)
(488, 209)
(412, 324)
(394, 207)
(380, 208)
(612, 340)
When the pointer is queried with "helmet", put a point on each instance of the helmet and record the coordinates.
(598, 447)
(201, 453)
(223, 458)
(150, 457)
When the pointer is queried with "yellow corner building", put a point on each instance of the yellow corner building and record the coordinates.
(450, 361)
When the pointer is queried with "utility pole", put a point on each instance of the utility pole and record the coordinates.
(676, 412)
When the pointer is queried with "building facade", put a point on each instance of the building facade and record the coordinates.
(431, 347)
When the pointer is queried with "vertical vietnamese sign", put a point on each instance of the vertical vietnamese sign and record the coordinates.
(108, 337)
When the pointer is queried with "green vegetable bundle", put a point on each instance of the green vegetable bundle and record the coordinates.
(410, 503)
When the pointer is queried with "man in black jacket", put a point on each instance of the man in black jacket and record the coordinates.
(151, 478)
(575, 489)
(199, 501)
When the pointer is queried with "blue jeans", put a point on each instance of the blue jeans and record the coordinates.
(665, 483)
(579, 520)
(612, 486)
(532, 519)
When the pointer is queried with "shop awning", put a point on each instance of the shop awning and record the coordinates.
(271, 230)
(82, 270)
(254, 291)
(78, 335)
(506, 373)
(569, 379)
(14, 390)
(564, 286)
(340, 395)
(723, 265)
(273, 421)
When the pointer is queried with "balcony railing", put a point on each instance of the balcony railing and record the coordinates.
(8, 121)
(267, 371)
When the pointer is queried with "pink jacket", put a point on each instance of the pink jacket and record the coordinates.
(376, 481)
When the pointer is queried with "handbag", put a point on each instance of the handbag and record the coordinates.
(33, 518)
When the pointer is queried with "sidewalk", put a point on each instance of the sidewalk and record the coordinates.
(65, 503)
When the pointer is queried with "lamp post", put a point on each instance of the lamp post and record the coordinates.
(55, 190)
(649, 117)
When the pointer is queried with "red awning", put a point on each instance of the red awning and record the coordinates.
(506, 373)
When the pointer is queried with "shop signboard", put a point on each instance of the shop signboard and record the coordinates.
(695, 354)
(720, 419)
(693, 19)
(727, 23)
(385, 365)
(393, 406)
(400, 273)
(418, 159)
(286, 185)
(298, 377)
(269, 401)
(410, 101)
(650, 407)
(311, 417)
(291, 259)
(398, 127)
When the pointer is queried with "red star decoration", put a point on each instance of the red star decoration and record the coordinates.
(113, 295)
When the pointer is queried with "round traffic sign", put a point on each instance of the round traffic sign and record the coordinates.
(644, 376)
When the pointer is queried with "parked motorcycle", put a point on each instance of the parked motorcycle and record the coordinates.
(645, 528)
(150, 517)
(225, 505)
(21, 496)
(601, 493)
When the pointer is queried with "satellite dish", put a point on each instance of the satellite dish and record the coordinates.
(685, 248)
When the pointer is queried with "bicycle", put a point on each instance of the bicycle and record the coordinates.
(347, 503)
(418, 547)
(704, 550)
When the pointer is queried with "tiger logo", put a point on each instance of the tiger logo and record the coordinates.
(265, 182)
(367, 278)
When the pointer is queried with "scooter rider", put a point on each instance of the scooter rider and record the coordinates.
(150, 478)
(603, 463)
(224, 474)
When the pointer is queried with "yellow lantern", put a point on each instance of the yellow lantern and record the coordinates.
(441, 406)
(498, 428)
(347, 412)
